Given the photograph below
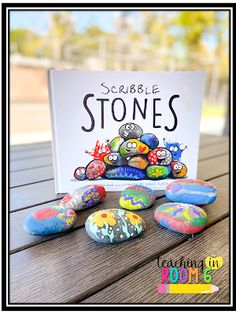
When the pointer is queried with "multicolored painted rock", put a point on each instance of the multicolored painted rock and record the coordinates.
(160, 156)
(138, 162)
(79, 173)
(133, 147)
(150, 140)
(191, 191)
(137, 197)
(85, 197)
(184, 218)
(50, 219)
(114, 225)
(156, 172)
(178, 169)
(116, 143)
(114, 159)
(130, 130)
(126, 172)
(95, 169)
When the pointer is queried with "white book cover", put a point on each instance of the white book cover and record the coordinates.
(123, 128)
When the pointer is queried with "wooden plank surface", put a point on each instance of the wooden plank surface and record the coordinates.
(75, 267)
(20, 240)
(34, 153)
(42, 192)
(130, 289)
(22, 164)
(27, 147)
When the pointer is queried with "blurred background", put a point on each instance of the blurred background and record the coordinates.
(113, 40)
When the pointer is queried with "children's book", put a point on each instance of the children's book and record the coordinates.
(118, 129)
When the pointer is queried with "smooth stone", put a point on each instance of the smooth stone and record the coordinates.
(138, 162)
(84, 197)
(114, 225)
(50, 219)
(160, 156)
(133, 147)
(150, 140)
(137, 197)
(191, 191)
(114, 159)
(184, 218)
(79, 173)
(116, 143)
(95, 169)
(156, 172)
(178, 169)
(130, 130)
(124, 173)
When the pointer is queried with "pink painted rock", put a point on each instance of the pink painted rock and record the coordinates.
(95, 169)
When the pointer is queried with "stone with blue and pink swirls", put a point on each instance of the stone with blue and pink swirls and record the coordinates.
(191, 191)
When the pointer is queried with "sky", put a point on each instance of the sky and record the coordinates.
(39, 21)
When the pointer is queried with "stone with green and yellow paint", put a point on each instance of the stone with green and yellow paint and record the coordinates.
(181, 217)
(137, 197)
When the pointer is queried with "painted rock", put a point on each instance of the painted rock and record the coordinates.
(130, 130)
(184, 218)
(95, 169)
(150, 140)
(114, 159)
(191, 191)
(85, 197)
(79, 173)
(114, 225)
(50, 219)
(115, 144)
(160, 156)
(156, 172)
(138, 162)
(133, 147)
(125, 172)
(178, 169)
(137, 197)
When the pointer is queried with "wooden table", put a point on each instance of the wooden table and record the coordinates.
(72, 268)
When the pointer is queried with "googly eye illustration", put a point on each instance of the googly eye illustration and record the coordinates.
(179, 166)
(134, 145)
(110, 158)
(175, 149)
(172, 148)
(128, 127)
(131, 126)
(163, 153)
(159, 153)
(115, 157)
(175, 167)
(129, 145)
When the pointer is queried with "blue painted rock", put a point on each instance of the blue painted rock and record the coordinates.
(130, 130)
(150, 140)
(184, 218)
(160, 156)
(125, 172)
(138, 162)
(178, 169)
(133, 147)
(84, 197)
(95, 169)
(79, 173)
(114, 159)
(114, 225)
(137, 197)
(156, 172)
(116, 143)
(191, 191)
(50, 219)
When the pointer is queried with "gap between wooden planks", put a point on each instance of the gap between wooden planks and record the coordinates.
(43, 192)
(73, 267)
(140, 285)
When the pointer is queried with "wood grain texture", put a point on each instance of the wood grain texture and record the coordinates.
(73, 266)
(27, 147)
(38, 193)
(140, 285)
(29, 176)
(20, 240)
(34, 153)
(19, 165)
